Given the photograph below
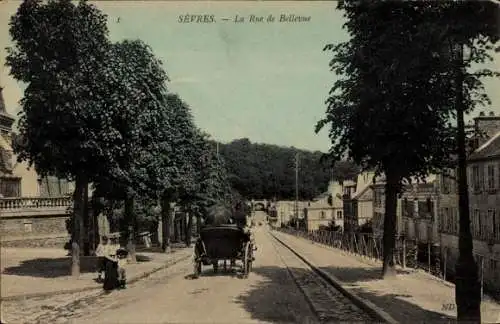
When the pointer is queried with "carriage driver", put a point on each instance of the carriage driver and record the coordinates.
(241, 219)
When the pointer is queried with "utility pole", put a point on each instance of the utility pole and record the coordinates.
(297, 189)
(217, 149)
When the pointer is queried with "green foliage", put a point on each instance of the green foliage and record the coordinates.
(137, 85)
(211, 177)
(59, 48)
(182, 137)
(392, 107)
(268, 171)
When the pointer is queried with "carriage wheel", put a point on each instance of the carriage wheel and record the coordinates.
(247, 260)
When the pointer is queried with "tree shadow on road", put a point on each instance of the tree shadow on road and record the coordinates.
(276, 299)
(56, 267)
(394, 304)
(47, 268)
(350, 275)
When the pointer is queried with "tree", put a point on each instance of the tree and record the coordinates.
(177, 178)
(470, 27)
(268, 171)
(139, 85)
(211, 176)
(391, 109)
(59, 59)
(344, 170)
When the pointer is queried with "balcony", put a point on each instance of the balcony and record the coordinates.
(34, 206)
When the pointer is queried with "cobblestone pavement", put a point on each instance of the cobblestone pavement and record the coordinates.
(271, 294)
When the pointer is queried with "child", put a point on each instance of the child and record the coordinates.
(121, 255)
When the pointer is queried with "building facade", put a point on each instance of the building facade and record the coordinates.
(483, 173)
(327, 210)
(350, 206)
(285, 210)
(18, 179)
(416, 212)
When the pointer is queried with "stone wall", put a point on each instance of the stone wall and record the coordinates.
(49, 231)
(34, 242)
(33, 226)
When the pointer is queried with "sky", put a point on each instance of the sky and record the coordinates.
(266, 81)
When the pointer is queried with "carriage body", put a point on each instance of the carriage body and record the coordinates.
(223, 242)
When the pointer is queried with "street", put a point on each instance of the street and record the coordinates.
(280, 289)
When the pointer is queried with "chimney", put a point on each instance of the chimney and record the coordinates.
(489, 125)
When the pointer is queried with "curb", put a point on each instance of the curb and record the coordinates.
(134, 279)
(373, 310)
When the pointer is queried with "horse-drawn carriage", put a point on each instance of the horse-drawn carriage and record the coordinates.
(222, 241)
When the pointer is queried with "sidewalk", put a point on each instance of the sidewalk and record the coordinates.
(410, 297)
(39, 271)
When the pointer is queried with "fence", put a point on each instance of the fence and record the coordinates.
(408, 253)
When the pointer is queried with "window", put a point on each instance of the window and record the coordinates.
(493, 264)
(476, 223)
(475, 177)
(492, 222)
(322, 215)
(405, 207)
(446, 218)
(496, 226)
(445, 184)
(453, 220)
(442, 220)
(53, 187)
(10, 187)
(491, 177)
(339, 214)
(481, 178)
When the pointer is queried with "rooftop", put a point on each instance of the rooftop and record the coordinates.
(488, 150)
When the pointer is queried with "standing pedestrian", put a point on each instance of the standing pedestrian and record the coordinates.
(101, 252)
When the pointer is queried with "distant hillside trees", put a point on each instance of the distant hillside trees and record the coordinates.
(268, 171)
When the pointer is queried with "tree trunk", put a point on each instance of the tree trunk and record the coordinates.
(97, 230)
(198, 224)
(467, 286)
(131, 228)
(166, 218)
(86, 222)
(389, 238)
(189, 229)
(78, 226)
(176, 227)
